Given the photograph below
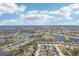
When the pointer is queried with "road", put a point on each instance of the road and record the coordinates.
(58, 50)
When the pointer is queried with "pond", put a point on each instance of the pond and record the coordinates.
(74, 39)
(58, 37)
(1, 52)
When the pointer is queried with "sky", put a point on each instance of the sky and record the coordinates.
(39, 14)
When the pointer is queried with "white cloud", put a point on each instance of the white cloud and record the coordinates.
(67, 11)
(40, 17)
(31, 15)
(62, 13)
(10, 8)
(12, 22)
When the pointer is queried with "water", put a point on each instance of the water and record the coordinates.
(59, 37)
(1, 52)
(74, 40)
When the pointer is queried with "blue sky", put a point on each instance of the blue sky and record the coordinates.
(39, 14)
(43, 6)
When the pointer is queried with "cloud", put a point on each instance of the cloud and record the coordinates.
(10, 8)
(67, 11)
(40, 17)
(37, 15)
(12, 22)
(44, 16)
(8, 22)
